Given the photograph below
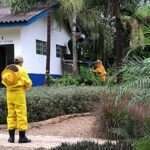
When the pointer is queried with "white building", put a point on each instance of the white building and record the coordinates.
(26, 35)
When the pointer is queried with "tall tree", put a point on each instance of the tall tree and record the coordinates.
(21, 5)
(112, 11)
(71, 9)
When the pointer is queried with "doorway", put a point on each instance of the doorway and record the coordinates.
(6, 56)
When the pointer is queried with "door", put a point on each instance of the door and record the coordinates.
(6, 56)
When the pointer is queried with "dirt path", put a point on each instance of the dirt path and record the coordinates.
(73, 127)
(53, 132)
(68, 126)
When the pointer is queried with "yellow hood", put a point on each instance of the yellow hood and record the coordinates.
(10, 77)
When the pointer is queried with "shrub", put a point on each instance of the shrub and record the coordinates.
(143, 144)
(118, 119)
(45, 102)
(136, 70)
(50, 80)
(67, 80)
(86, 78)
(94, 146)
(2, 107)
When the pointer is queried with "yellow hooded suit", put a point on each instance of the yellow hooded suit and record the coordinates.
(100, 70)
(17, 82)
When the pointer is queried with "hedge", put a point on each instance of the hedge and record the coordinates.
(45, 102)
(85, 145)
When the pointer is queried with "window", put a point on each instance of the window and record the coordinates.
(41, 47)
(59, 50)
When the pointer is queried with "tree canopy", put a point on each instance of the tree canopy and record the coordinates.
(96, 19)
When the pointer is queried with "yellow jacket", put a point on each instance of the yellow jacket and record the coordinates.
(100, 70)
(16, 80)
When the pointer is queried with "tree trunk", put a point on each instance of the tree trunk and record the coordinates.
(118, 44)
(48, 47)
(118, 39)
(121, 40)
(74, 47)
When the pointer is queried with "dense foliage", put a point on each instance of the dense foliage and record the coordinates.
(143, 144)
(45, 103)
(118, 118)
(94, 146)
(95, 20)
(85, 78)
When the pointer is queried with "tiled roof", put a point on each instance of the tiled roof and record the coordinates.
(7, 17)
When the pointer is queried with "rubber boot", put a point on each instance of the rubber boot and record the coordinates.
(11, 136)
(23, 138)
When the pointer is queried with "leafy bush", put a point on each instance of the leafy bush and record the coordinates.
(2, 107)
(135, 73)
(143, 144)
(86, 77)
(45, 102)
(68, 80)
(136, 69)
(50, 80)
(94, 146)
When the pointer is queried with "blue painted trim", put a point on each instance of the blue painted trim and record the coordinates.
(42, 14)
(39, 79)
(36, 17)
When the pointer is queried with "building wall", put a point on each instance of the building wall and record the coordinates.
(35, 63)
(24, 40)
(29, 34)
(58, 37)
(11, 36)
(38, 30)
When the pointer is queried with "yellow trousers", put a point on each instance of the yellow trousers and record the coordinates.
(17, 111)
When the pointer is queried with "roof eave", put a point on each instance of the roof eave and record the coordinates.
(42, 14)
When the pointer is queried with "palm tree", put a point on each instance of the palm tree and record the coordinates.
(71, 9)
(140, 28)
(143, 17)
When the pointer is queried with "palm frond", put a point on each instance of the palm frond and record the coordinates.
(143, 12)
(146, 30)
(72, 6)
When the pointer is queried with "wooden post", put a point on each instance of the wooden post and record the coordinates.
(48, 47)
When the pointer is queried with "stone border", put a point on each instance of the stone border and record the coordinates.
(53, 120)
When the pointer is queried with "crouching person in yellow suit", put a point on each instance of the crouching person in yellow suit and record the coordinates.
(100, 70)
(16, 81)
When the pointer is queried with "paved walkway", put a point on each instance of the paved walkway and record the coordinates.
(40, 141)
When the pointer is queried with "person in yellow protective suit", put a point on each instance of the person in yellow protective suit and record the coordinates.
(100, 70)
(17, 81)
